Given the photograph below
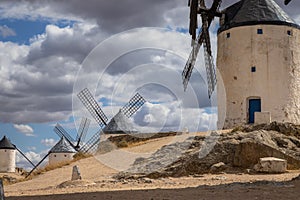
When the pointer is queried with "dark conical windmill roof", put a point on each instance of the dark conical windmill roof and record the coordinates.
(253, 12)
(6, 144)
(62, 147)
(119, 124)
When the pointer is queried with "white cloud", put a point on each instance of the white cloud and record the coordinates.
(6, 31)
(25, 129)
(34, 157)
(48, 142)
(40, 76)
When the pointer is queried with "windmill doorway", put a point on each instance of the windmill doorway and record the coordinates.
(254, 106)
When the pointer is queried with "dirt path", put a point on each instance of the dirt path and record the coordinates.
(261, 191)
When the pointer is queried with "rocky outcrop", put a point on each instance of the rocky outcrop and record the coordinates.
(237, 150)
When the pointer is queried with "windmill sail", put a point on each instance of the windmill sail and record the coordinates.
(207, 16)
(62, 133)
(91, 145)
(93, 107)
(133, 105)
(82, 131)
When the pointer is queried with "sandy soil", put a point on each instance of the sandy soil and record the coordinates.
(101, 184)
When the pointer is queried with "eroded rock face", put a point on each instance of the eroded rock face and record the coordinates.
(271, 165)
(237, 150)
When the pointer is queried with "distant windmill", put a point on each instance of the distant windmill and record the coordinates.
(8, 156)
(93, 107)
(81, 134)
(62, 151)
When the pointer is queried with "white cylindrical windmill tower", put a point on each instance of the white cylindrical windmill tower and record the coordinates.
(7, 156)
(61, 152)
(259, 61)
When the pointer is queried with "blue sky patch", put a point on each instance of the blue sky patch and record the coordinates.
(26, 29)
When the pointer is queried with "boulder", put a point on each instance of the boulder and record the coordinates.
(271, 165)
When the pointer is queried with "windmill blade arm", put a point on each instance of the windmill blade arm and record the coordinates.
(91, 143)
(135, 103)
(286, 2)
(83, 128)
(190, 64)
(60, 131)
(24, 156)
(215, 6)
(193, 18)
(37, 165)
(93, 107)
(210, 71)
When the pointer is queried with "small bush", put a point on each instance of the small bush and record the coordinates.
(122, 144)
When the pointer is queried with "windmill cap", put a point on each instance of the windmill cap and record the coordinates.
(119, 124)
(62, 147)
(253, 12)
(6, 144)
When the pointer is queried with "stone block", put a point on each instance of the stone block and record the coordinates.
(271, 165)
(262, 117)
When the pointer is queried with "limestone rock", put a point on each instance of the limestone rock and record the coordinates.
(239, 150)
(271, 165)
(76, 173)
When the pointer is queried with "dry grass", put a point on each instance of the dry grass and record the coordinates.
(77, 156)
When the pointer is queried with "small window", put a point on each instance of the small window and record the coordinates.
(289, 32)
(65, 155)
(228, 35)
(54, 155)
(260, 31)
(253, 69)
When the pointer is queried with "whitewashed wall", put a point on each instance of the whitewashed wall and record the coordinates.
(7, 160)
(276, 56)
(55, 158)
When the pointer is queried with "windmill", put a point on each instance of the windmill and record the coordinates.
(198, 7)
(246, 27)
(93, 107)
(62, 147)
(7, 155)
(81, 134)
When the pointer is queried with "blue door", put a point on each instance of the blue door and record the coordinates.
(254, 106)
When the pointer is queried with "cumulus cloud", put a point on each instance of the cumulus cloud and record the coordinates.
(37, 79)
(48, 142)
(6, 31)
(34, 157)
(25, 129)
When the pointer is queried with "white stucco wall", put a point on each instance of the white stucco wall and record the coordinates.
(276, 56)
(7, 160)
(55, 158)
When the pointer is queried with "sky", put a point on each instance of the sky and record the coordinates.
(50, 50)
